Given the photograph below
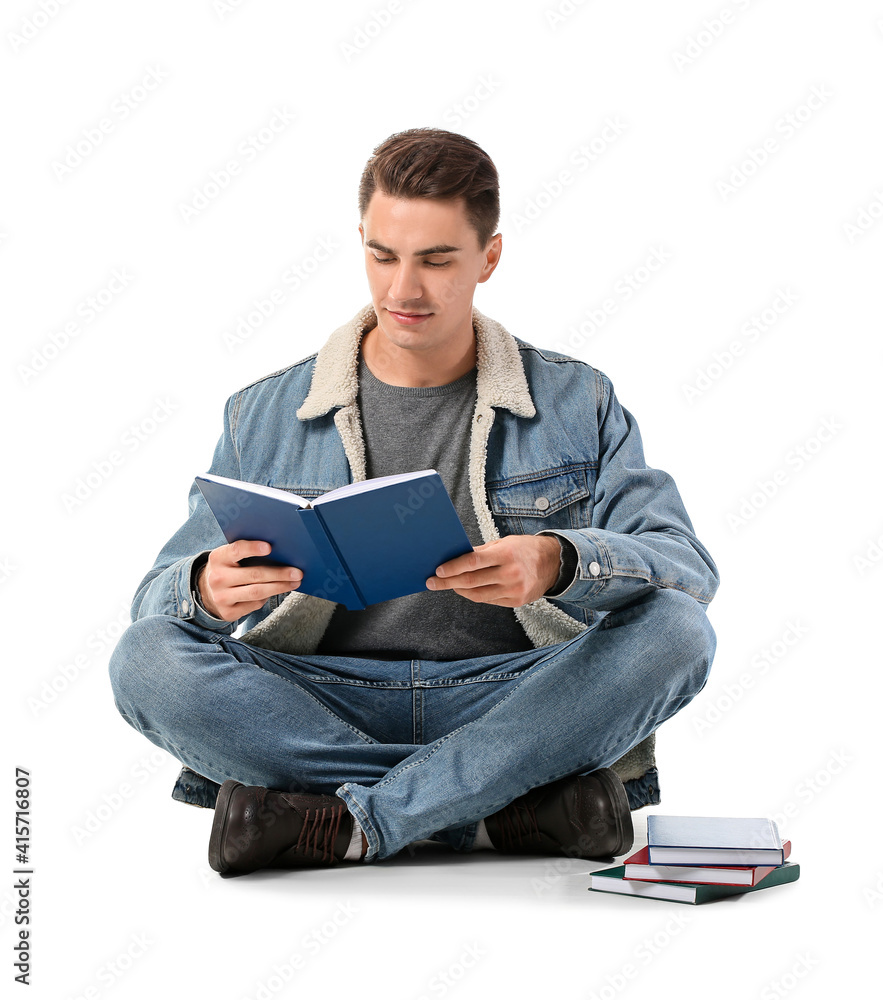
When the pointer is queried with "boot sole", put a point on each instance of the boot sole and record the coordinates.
(622, 811)
(219, 826)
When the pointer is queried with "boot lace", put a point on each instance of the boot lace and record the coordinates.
(517, 825)
(319, 831)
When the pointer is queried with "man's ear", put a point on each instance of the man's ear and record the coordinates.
(492, 257)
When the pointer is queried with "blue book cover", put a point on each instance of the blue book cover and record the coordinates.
(358, 545)
(713, 840)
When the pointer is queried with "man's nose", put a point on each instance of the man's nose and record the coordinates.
(405, 283)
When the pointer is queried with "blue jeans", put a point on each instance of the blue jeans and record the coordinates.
(415, 748)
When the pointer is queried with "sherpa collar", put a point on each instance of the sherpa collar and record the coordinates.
(500, 378)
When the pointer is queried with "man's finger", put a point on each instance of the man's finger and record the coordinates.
(461, 581)
(481, 571)
(245, 548)
(478, 558)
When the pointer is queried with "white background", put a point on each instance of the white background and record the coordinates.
(776, 454)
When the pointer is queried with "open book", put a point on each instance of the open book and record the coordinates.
(357, 545)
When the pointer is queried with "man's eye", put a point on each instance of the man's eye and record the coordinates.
(389, 260)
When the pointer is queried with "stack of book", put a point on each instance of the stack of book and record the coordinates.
(694, 859)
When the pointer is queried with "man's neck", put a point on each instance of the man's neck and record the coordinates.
(414, 368)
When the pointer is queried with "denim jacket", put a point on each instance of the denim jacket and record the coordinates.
(551, 450)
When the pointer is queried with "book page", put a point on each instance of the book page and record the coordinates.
(366, 485)
(267, 491)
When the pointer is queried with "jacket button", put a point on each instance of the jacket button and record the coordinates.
(478, 418)
(594, 569)
(185, 606)
(541, 503)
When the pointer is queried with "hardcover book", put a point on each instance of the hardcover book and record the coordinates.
(713, 840)
(357, 545)
(612, 880)
(637, 866)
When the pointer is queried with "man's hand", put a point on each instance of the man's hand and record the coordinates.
(510, 571)
(229, 591)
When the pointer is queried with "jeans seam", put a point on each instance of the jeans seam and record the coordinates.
(441, 683)
(363, 820)
(463, 821)
(417, 698)
(531, 671)
(388, 686)
(362, 736)
(433, 750)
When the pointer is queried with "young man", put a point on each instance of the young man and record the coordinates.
(513, 703)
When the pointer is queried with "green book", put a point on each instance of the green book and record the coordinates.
(611, 880)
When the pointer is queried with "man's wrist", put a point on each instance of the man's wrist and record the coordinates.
(568, 565)
(199, 564)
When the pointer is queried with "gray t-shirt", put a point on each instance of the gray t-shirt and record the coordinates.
(408, 428)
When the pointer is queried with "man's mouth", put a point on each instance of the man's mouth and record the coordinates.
(407, 317)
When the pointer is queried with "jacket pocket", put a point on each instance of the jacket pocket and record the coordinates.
(560, 498)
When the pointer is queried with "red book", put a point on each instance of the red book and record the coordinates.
(637, 867)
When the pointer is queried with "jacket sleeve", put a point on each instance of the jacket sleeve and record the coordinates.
(641, 536)
(170, 588)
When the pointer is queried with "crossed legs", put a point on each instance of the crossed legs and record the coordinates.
(413, 747)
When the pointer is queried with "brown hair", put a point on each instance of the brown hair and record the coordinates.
(434, 163)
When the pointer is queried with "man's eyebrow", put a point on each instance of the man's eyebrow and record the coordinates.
(439, 248)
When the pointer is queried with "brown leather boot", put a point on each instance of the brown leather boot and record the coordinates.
(582, 816)
(256, 828)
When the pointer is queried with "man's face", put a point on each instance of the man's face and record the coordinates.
(423, 263)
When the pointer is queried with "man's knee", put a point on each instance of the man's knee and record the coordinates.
(144, 650)
(676, 633)
(690, 633)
